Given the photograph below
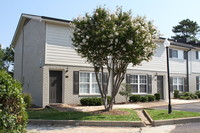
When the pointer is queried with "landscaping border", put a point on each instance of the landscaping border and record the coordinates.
(171, 121)
(87, 123)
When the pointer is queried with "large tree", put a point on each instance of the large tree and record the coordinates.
(186, 29)
(110, 42)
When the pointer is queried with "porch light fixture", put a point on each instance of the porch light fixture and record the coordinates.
(167, 44)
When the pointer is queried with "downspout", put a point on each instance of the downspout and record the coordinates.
(187, 69)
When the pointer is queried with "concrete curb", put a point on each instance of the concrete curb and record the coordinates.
(86, 123)
(172, 121)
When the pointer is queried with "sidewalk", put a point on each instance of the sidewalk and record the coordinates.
(139, 105)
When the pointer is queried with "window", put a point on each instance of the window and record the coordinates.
(138, 83)
(176, 54)
(88, 83)
(178, 84)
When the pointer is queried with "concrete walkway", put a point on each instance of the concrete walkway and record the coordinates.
(131, 105)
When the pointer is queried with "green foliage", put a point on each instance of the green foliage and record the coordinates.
(198, 93)
(126, 91)
(144, 99)
(27, 100)
(176, 93)
(135, 98)
(151, 98)
(6, 58)
(157, 96)
(91, 101)
(186, 29)
(188, 95)
(13, 117)
(106, 38)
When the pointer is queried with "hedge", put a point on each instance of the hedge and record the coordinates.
(13, 117)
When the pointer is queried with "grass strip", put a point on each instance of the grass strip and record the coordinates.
(163, 114)
(52, 114)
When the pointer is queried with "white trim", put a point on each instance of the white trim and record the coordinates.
(177, 85)
(138, 84)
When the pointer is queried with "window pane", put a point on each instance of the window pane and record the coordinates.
(84, 77)
(84, 88)
(180, 87)
(95, 88)
(143, 89)
(94, 77)
(174, 81)
(175, 53)
(180, 81)
(134, 78)
(134, 88)
(143, 79)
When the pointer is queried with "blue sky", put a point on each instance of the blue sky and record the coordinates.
(165, 13)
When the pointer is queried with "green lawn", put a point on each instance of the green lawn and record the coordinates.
(163, 114)
(52, 114)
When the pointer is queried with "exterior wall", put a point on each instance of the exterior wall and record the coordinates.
(32, 49)
(59, 50)
(154, 64)
(70, 98)
(18, 58)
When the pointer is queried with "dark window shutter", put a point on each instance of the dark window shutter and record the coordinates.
(197, 54)
(185, 55)
(185, 85)
(128, 78)
(76, 82)
(170, 53)
(197, 82)
(171, 84)
(104, 81)
(149, 84)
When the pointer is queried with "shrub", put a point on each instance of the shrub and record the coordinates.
(27, 100)
(195, 96)
(185, 97)
(135, 98)
(13, 117)
(176, 94)
(144, 98)
(91, 101)
(157, 96)
(150, 98)
(198, 93)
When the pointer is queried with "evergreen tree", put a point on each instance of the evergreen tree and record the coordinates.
(186, 29)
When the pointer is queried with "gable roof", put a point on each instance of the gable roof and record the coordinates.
(26, 17)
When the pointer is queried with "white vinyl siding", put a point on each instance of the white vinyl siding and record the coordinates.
(154, 65)
(88, 83)
(138, 84)
(59, 49)
(178, 83)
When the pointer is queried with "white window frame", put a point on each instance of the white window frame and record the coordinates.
(180, 54)
(138, 84)
(178, 83)
(90, 83)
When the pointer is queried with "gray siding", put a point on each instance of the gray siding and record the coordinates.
(33, 59)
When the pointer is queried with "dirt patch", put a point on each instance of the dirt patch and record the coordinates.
(112, 112)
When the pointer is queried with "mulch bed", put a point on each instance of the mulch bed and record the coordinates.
(112, 112)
